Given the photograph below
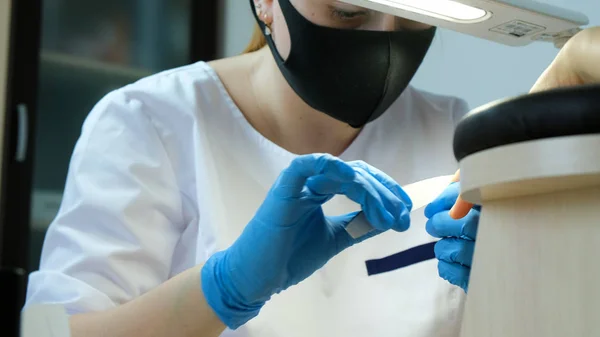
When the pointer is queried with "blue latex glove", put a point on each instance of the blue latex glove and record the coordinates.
(455, 249)
(290, 238)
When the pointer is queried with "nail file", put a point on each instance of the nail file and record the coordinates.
(421, 193)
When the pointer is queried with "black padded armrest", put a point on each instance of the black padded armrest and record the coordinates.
(554, 113)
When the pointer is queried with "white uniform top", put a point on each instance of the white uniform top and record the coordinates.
(167, 171)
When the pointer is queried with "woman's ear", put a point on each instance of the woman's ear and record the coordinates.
(264, 10)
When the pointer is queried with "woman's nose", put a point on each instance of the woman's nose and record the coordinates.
(381, 22)
(387, 23)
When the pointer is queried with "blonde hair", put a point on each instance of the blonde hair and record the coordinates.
(257, 41)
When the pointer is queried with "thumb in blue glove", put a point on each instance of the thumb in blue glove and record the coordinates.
(455, 249)
(290, 238)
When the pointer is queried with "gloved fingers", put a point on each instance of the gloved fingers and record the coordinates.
(392, 203)
(442, 225)
(454, 250)
(386, 180)
(455, 274)
(444, 201)
(360, 191)
(292, 180)
(471, 226)
(381, 207)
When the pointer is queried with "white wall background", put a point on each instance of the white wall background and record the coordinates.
(474, 69)
(237, 24)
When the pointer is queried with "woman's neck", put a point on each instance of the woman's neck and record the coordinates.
(275, 110)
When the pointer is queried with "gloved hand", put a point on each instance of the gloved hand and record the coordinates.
(290, 238)
(455, 249)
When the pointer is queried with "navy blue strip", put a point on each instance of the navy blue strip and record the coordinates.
(400, 260)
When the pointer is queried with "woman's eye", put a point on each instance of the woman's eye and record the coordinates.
(347, 15)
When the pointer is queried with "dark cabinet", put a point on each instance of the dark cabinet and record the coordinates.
(57, 59)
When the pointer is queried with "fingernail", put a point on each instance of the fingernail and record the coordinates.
(456, 214)
(456, 176)
(452, 213)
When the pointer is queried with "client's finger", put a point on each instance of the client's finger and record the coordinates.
(461, 208)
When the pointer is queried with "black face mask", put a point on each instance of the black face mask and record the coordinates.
(351, 75)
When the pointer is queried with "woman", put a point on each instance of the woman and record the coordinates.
(200, 199)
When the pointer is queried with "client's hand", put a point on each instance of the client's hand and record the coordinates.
(576, 64)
